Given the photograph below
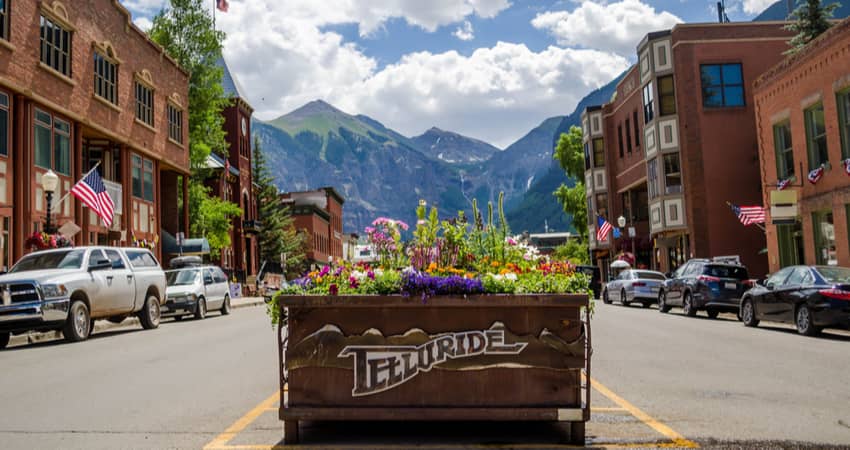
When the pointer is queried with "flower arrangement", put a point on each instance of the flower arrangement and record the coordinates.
(43, 241)
(448, 257)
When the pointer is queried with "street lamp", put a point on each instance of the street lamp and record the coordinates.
(49, 183)
(621, 221)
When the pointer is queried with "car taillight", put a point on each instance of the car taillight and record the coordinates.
(838, 294)
(749, 283)
(639, 284)
(707, 279)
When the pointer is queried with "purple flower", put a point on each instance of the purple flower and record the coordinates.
(338, 271)
(353, 283)
(333, 289)
(371, 275)
(325, 270)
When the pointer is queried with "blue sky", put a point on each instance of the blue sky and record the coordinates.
(490, 69)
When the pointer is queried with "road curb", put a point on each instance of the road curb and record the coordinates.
(103, 325)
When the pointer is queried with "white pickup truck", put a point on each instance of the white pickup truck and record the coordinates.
(67, 289)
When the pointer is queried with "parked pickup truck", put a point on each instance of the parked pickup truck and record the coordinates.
(67, 289)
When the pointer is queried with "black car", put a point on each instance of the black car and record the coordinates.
(810, 297)
(713, 286)
(595, 278)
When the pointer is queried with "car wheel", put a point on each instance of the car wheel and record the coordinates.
(149, 316)
(4, 340)
(662, 302)
(624, 299)
(688, 305)
(78, 325)
(712, 313)
(605, 298)
(748, 313)
(201, 309)
(804, 322)
(225, 307)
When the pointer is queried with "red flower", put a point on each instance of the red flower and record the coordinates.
(333, 289)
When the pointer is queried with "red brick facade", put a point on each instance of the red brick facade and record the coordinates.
(813, 83)
(319, 215)
(97, 129)
(698, 144)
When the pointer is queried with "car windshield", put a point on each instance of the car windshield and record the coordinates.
(648, 275)
(69, 259)
(839, 275)
(181, 277)
(736, 272)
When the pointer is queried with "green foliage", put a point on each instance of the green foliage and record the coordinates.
(810, 20)
(278, 234)
(212, 219)
(185, 30)
(573, 199)
(573, 251)
(569, 153)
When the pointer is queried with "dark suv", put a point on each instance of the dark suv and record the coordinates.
(714, 286)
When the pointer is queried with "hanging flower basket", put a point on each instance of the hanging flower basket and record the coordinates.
(43, 241)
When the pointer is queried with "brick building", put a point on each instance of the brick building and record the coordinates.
(318, 213)
(233, 181)
(803, 123)
(81, 85)
(697, 140)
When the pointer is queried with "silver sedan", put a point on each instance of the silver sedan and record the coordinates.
(634, 286)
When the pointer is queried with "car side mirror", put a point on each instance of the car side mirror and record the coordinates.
(669, 274)
(100, 264)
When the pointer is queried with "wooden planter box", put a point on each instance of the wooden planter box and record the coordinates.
(479, 358)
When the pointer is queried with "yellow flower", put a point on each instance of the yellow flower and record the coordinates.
(469, 275)
(495, 264)
(504, 271)
(432, 267)
(319, 280)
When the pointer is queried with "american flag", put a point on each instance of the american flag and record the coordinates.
(92, 192)
(815, 175)
(749, 215)
(602, 228)
(222, 5)
(782, 184)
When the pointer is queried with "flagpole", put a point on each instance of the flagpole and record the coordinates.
(59, 202)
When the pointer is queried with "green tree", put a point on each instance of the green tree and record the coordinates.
(278, 234)
(810, 20)
(573, 251)
(573, 199)
(185, 30)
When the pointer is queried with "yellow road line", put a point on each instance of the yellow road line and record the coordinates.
(222, 439)
(678, 439)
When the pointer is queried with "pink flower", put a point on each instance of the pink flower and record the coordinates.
(370, 230)
(371, 275)
(403, 225)
(333, 289)
(353, 283)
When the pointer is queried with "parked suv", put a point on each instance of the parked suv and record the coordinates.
(710, 285)
(67, 289)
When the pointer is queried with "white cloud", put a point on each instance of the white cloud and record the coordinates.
(465, 32)
(496, 94)
(756, 6)
(144, 23)
(144, 6)
(615, 27)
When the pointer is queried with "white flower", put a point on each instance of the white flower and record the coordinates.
(511, 277)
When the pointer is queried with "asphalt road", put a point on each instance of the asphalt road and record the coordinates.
(714, 382)
(174, 387)
(717, 380)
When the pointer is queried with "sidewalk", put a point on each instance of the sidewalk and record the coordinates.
(103, 325)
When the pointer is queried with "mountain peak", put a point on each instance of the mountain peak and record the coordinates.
(316, 107)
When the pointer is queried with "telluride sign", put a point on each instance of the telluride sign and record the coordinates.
(380, 368)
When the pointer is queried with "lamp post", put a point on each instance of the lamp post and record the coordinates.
(49, 183)
(621, 221)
